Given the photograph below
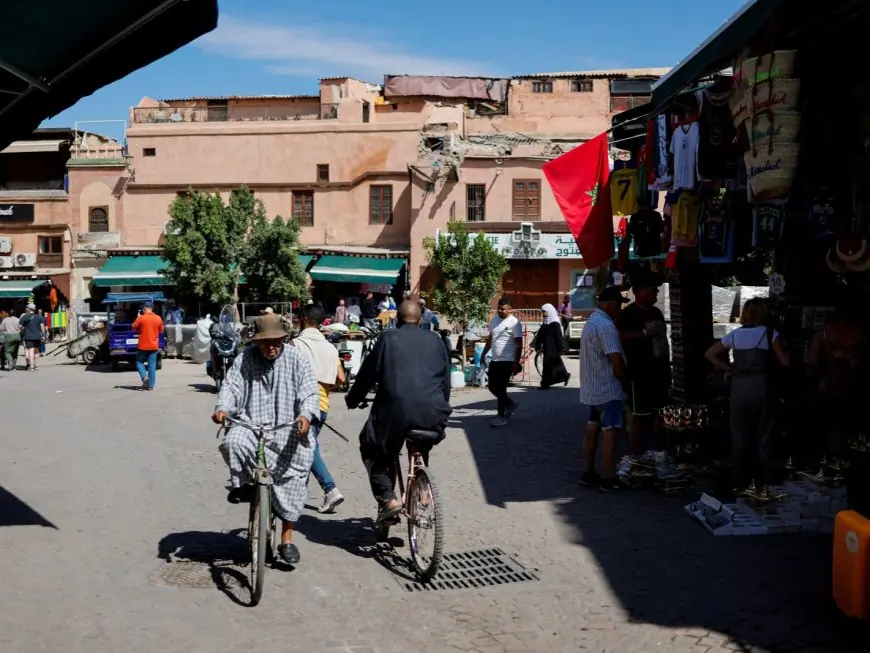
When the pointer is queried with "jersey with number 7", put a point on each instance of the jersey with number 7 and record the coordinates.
(623, 191)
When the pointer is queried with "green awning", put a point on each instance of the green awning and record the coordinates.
(131, 271)
(716, 53)
(18, 288)
(357, 269)
(55, 52)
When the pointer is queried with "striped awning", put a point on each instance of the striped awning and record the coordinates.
(18, 288)
(357, 269)
(131, 271)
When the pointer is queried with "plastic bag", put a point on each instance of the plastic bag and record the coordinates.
(200, 351)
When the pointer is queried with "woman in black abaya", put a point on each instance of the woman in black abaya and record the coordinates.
(550, 341)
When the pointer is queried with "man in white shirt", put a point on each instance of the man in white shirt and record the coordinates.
(602, 398)
(506, 341)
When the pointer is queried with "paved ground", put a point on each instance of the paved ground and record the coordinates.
(110, 497)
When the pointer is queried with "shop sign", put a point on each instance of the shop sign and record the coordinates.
(96, 240)
(16, 213)
(535, 245)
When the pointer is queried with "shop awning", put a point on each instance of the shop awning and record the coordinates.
(23, 147)
(357, 269)
(18, 288)
(55, 52)
(715, 53)
(131, 271)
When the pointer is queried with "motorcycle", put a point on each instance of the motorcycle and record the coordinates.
(224, 347)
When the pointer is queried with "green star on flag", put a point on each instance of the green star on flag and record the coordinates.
(594, 193)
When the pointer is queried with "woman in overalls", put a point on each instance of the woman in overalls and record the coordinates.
(754, 346)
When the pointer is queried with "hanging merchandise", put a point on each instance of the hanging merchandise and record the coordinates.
(663, 137)
(684, 147)
(715, 232)
(623, 191)
(685, 214)
(770, 220)
(645, 231)
(716, 155)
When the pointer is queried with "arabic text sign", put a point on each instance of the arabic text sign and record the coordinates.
(550, 246)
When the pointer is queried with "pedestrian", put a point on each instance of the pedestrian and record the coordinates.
(149, 327)
(45, 331)
(644, 339)
(506, 341)
(369, 310)
(329, 373)
(602, 398)
(551, 344)
(753, 395)
(565, 315)
(341, 314)
(428, 321)
(32, 330)
(10, 332)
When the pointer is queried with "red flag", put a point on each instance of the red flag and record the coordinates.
(579, 182)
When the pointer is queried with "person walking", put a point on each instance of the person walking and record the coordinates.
(506, 341)
(566, 315)
(755, 346)
(149, 327)
(551, 343)
(341, 314)
(329, 373)
(369, 310)
(602, 398)
(32, 330)
(10, 333)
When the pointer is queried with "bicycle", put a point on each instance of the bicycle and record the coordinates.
(261, 527)
(422, 495)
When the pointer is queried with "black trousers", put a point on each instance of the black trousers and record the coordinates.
(499, 374)
(381, 467)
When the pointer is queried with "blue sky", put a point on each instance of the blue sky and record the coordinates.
(278, 47)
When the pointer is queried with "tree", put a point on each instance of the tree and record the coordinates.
(271, 261)
(469, 269)
(205, 241)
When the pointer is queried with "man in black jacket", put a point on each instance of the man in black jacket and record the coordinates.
(412, 372)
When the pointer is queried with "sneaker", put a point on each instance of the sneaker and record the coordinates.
(510, 410)
(331, 500)
(499, 421)
(610, 485)
(145, 384)
(590, 479)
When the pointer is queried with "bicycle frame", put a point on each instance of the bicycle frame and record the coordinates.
(415, 461)
(262, 474)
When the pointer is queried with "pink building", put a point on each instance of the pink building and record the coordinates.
(368, 170)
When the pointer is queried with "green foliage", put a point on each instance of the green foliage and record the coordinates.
(469, 269)
(752, 269)
(271, 262)
(208, 243)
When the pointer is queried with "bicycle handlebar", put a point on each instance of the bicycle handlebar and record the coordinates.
(261, 428)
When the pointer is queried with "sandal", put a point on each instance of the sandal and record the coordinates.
(389, 510)
(289, 553)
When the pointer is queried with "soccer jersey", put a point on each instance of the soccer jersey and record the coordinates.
(684, 221)
(623, 191)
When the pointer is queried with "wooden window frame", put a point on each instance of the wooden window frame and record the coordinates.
(582, 86)
(322, 172)
(49, 239)
(525, 217)
(104, 209)
(475, 208)
(376, 206)
(542, 86)
(304, 215)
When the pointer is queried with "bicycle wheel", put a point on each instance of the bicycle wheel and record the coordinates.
(425, 525)
(258, 535)
(539, 363)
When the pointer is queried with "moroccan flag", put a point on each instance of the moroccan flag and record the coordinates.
(579, 182)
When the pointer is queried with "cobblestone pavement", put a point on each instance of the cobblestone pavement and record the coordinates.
(115, 536)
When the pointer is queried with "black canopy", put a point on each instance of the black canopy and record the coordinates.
(55, 52)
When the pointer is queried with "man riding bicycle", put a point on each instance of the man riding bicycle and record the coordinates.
(270, 384)
(411, 369)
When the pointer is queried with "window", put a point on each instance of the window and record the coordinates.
(184, 194)
(475, 202)
(217, 110)
(620, 103)
(366, 112)
(380, 205)
(322, 172)
(581, 85)
(149, 151)
(542, 87)
(527, 200)
(303, 207)
(51, 245)
(98, 219)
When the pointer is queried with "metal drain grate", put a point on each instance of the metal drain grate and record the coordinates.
(475, 569)
(186, 573)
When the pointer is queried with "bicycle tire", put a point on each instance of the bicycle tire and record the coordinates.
(218, 381)
(258, 536)
(426, 570)
(539, 363)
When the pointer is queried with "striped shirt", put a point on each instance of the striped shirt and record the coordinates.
(600, 339)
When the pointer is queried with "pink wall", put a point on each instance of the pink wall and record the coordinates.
(51, 217)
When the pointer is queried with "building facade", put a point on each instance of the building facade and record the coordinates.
(367, 170)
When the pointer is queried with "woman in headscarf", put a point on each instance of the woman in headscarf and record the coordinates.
(550, 341)
(340, 313)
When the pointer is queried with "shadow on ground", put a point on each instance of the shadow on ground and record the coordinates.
(770, 592)
(14, 512)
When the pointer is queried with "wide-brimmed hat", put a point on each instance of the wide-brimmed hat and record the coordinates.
(612, 294)
(268, 327)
